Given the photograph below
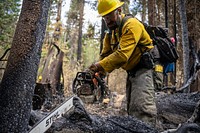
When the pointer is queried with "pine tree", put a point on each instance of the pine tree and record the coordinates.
(9, 12)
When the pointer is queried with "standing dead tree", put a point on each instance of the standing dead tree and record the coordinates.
(18, 83)
(185, 40)
(50, 85)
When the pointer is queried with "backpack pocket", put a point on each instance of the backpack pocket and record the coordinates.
(166, 49)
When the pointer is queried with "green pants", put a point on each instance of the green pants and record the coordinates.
(141, 96)
(158, 80)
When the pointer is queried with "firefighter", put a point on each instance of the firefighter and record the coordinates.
(124, 51)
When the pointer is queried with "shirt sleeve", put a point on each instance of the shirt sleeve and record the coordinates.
(131, 34)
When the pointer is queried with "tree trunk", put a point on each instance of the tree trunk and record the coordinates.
(151, 12)
(81, 10)
(166, 14)
(144, 7)
(159, 13)
(126, 6)
(59, 10)
(193, 19)
(185, 41)
(52, 71)
(17, 86)
(45, 64)
(56, 74)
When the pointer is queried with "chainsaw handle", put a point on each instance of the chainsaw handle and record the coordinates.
(97, 77)
(81, 76)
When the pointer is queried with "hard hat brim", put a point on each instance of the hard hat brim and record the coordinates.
(112, 9)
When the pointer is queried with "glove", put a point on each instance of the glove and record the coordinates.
(94, 68)
(92, 73)
(102, 74)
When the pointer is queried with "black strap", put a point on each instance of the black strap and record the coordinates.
(126, 17)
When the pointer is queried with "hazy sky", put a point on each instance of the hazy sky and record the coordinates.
(89, 14)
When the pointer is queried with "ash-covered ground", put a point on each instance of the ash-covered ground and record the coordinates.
(110, 116)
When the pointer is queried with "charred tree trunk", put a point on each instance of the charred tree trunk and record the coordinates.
(196, 114)
(57, 72)
(194, 69)
(185, 41)
(177, 108)
(47, 61)
(193, 19)
(166, 14)
(17, 86)
(51, 77)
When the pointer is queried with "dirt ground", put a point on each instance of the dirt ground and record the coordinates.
(114, 106)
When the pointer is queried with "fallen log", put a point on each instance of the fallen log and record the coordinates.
(79, 120)
(196, 114)
(174, 110)
(184, 128)
(177, 108)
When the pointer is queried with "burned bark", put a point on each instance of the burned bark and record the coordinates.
(51, 75)
(40, 95)
(194, 69)
(173, 112)
(177, 108)
(57, 73)
(81, 121)
(185, 41)
(184, 128)
(16, 89)
(196, 114)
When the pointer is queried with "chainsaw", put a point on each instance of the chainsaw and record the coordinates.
(90, 88)
(84, 85)
(45, 123)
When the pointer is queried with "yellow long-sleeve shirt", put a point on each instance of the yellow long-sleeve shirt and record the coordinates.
(125, 54)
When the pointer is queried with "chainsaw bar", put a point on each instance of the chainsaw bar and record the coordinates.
(45, 123)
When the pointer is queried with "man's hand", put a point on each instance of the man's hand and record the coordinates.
(94, 68)
(91, 72)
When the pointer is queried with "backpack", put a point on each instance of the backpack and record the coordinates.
(166, 48)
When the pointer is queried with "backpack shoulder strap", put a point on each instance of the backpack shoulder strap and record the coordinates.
(126, 17)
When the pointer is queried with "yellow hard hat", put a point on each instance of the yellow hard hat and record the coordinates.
(106, 6)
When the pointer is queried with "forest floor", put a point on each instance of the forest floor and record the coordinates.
(113, 106)
(173, 109)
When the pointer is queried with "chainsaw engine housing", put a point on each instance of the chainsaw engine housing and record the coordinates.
(87, 87)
